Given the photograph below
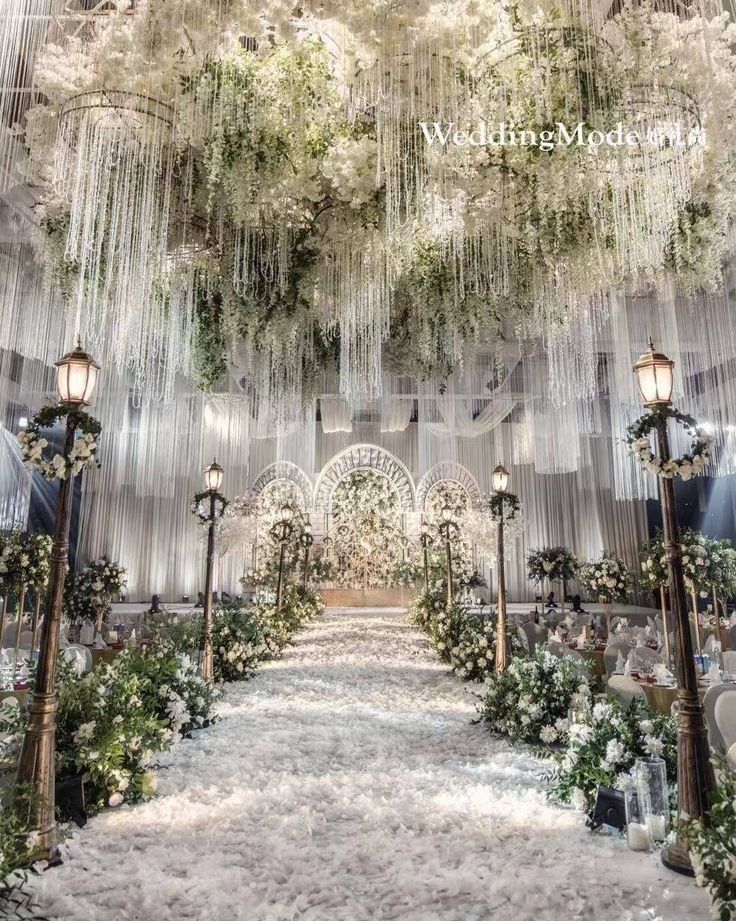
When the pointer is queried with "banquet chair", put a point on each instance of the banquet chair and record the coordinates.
(732, 636)
(536, 635)
(523, 638)
(79, 657)
(728, 657)
(725, 717)
(623, 687)
(709, 705)
(731, 757)
(610, 655)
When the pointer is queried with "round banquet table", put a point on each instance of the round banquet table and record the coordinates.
(661, 698)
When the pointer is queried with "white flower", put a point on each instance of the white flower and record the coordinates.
(548, 734)
(115, 799)
(614, 752)
(578, 800)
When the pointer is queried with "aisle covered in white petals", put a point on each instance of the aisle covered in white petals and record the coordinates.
(348, 781)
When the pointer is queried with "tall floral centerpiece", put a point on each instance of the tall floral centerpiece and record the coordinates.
(608, 580)
(655, 575)
(25, 561)
(708, 569)
(89, 592)
(552, 564)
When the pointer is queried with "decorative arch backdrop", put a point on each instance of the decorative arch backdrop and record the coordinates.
(141, 516)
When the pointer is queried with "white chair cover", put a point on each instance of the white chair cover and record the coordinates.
(624, 687)
(610, 655)
(79, 657)
(729, 661)
(725, 716)
(731, 757)
(709, 705)
(642, 657)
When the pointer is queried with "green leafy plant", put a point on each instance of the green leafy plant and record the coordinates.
(712, 845)
(603, 747)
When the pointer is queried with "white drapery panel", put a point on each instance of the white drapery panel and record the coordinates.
(336, 413)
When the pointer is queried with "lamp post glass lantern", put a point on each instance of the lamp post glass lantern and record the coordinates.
(76, 376)
(213, 476)
(500, 479)
(695, 778)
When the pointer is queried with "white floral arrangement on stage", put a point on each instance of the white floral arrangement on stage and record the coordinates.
(551, 564)
(607, 580)
(603, 745)
(530, 700)
(365, 531)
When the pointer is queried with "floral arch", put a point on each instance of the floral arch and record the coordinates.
(364, 457)
(447, 472)
(285, 471)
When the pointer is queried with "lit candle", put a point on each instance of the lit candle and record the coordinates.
(638, 836)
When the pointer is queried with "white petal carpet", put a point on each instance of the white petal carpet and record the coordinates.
(347, 782)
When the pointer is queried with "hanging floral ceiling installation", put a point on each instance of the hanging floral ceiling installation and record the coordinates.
(266, 193)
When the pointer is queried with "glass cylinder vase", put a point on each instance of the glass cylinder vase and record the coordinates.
(653, 793)
(637, 832)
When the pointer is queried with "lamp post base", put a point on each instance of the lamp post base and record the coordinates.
(676, 858)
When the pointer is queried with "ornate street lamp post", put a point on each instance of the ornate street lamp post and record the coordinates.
(213, 476)
(283, 534)
(695, 778)
(424, 538)
(447, 525)
(76, 375)
(500, 480)
(307, 541)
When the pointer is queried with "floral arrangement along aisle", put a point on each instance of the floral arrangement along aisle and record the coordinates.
(113, 721)
(530, 701)
(603, 747)
(712, 847)
(464, 641)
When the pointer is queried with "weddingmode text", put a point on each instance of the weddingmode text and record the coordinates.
(503, 135)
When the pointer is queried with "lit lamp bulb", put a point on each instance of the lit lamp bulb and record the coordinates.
(654, 377)
(287, 513)
(446, 513)
(500, 478)
(307, 528)
(76, 376)
(425, 528)
(213, 476)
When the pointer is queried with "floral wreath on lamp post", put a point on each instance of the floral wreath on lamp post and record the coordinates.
(506, 506)
(220, 503)
(84, 450)
(688, 465)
